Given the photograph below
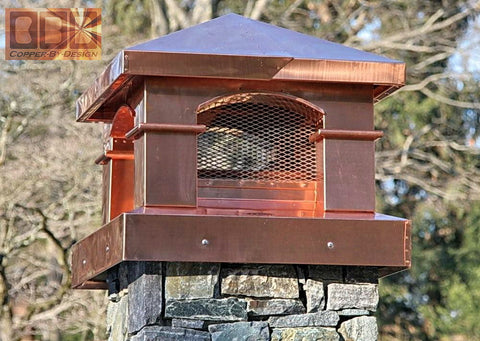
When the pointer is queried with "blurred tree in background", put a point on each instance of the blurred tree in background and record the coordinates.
(428, 165)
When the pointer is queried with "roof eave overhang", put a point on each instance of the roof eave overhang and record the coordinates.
(385, 77)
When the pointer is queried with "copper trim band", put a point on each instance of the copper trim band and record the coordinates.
(345, 135)
(120, 155)
(139, 130)
(158, 236)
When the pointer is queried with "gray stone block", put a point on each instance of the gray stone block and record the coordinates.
(128, 272)
(361, 274)
(192, 324)
(145, 297)
(357, 296)
(240, 331)
(117, 319)
(362, 328)
(191, 280)
(278, 281)
(305, 334)
(226, 309)
(326, 273)
(353, 312)
(159, 333)
(320, 319)
(315, 295)
(274, 306)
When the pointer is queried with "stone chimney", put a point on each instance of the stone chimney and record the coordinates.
(214, 301)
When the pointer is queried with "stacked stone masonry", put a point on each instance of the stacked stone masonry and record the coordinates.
(152, 301)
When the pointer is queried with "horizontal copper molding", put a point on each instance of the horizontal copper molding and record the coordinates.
(110, 81)
(344, 71)
(385, 77)
(346, 135)
(375, 240)
(162, 127)
(115, 155)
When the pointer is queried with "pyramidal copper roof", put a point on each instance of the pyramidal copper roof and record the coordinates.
(233, 34)
(235, 47)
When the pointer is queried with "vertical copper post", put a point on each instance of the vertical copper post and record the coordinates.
(166, 154)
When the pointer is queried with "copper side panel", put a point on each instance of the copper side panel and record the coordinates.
(376, 241)
(122, 181)
(170, 169)
(265, 240)
(350, 109)
(218, 189)
(98, 252)
(349, 175)
(175, 100)
(150, 63)
(166, 161)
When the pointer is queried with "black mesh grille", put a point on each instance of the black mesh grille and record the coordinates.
(248, 138)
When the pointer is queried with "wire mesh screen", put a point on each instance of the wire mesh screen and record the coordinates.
(257, 137)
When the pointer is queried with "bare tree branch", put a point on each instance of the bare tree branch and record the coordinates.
(258, 9)
(449, 101)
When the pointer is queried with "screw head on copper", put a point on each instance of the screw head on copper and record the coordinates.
(205, 242)
(330, 245)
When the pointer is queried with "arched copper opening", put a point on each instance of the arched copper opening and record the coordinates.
(288, 102)
(256, 148)
(258, 136)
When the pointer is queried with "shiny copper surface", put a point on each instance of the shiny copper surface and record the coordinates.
(119, 155)
(233, 47)
(118, 163)
(135, 236)
(349, 175)
(122, 122)
(121, 186)
(156, 127)
(168, 174)
(345, 135)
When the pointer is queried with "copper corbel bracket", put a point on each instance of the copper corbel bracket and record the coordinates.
(358, 135)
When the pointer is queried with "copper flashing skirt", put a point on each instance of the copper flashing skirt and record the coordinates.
(342, 239)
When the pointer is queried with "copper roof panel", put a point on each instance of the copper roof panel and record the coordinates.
(235, 47)
(233, 34)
